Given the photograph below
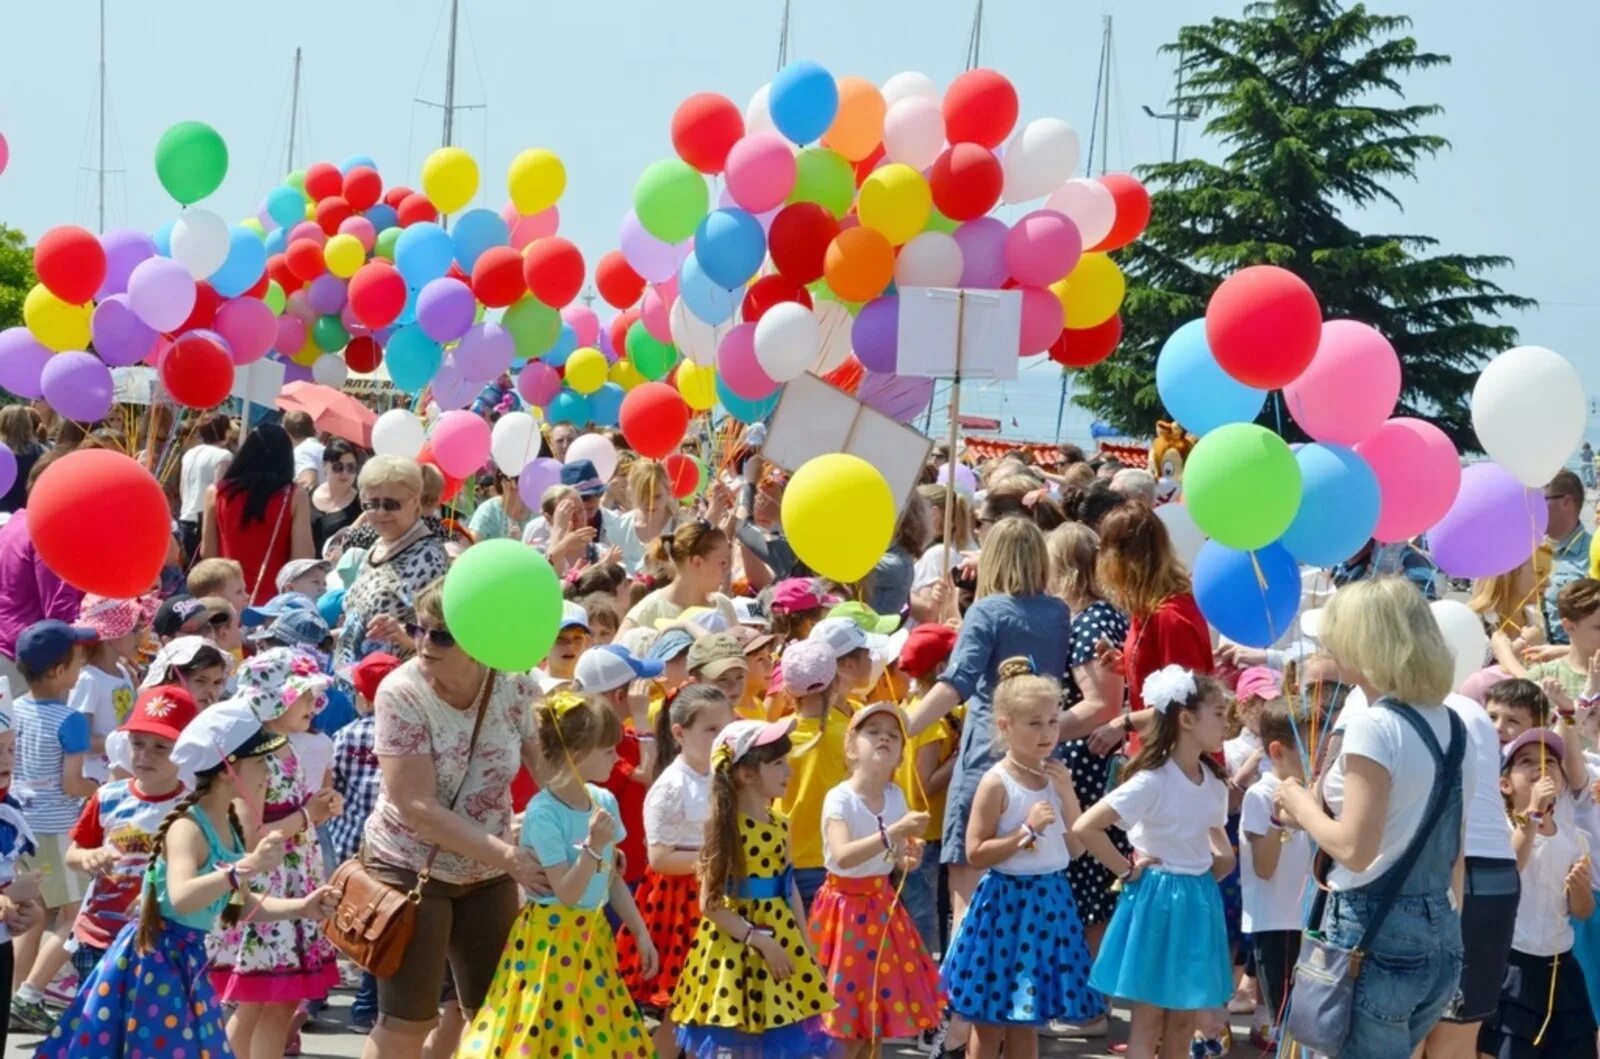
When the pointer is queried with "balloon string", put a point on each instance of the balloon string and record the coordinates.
(875, 1044)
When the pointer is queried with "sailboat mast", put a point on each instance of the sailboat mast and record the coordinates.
(100, 174)
(294, 112)
(450, 77)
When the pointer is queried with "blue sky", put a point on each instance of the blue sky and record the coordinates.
(597, 83)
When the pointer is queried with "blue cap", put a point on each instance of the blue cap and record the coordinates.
(331, 606)
(46, 644)
(277, 605)
(608, 667)
(296, 628)
(670, 645)
(582, 476)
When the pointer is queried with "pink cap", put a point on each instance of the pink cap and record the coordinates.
(1258, 682)
(111, 618)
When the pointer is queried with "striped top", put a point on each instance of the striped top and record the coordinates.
(47, 731)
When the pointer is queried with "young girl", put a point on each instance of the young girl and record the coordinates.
(194, 664)
(150, 994)
(1019, 959)
(104, 689)
(557, 989)
(887, 987)
(750, 987)
(1166, 949)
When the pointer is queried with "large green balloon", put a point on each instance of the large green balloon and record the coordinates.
(670, 199)
(502, 602)
(1242, 486)
(191, 161)
(533, 326)
(824, 177)
(653, 358)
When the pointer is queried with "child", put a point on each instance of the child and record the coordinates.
(220, 577)
(1019, 958)
(718, 659)
(1544, 1003)
(852, 653)
(150, 993)
(610, 674)
(757, 646)
(869, 832)
(194, 664)
(810, 676)
(572, 639)
(104, 690)
(557, 990)
(924, 778)
(603, 619)
(308, 577)
(750, 987)
(1517, 705)
(1578, 604)
(19, 904)
(1246, 761)
(1166, 949)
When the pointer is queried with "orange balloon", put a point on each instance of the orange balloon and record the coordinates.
(859, 264)
(857, 127)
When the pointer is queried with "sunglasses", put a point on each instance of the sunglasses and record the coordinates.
(439, 638)
(382, 504)
(343, 468)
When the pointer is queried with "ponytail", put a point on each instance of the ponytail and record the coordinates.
(680, 709)
(1157, 748)
(721, 858)
(689, 541)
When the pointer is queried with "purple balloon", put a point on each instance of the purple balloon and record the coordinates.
(22, 359)
(485, 351)
(899, 397)
(540, 474)
(293, 372)
(451, 388)
(78, 385)
(875, 334)
(445, 308)
(249, 327)
(8, 468)
(538, 383)
(161, 292)
(125, 248)
(983, 252)
(1492, 527)
(352, 324)
(651, 258)
(120, 337)
(326, 294)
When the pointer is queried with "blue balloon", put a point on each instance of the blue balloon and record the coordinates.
(408, 311)
(246, 260)
(566, 344)
(382, 215)
(423, 252)
(746, 411)
(1339, 502)
(705, 298)
(730, 246)
(277, 240)
(286, 205)
(412, 358)
(605, 405)
(1251, 597)
(476, 231)
(1195, 389)
(162, 237)
(803, 100)
(568, 407)
(356, 161)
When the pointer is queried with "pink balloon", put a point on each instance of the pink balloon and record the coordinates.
(1042, 247)
(1349, 388)
(585, 324)
(737, 364)
(291, 334)
(299, 304)
(5, 153)
(657, 309)
(249, 326)
(538, 383)
(362, 229)
(1042, 320)
(761, 171)
(460, 443)
(525, 230)
(307, 230)
(1419, 474)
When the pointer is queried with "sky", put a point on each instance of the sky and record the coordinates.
(597, 83)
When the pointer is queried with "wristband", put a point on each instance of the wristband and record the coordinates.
(233, 876)
(599, 861)
(1124, 876)
(645, 738)
(1030, 836)
(883, 835)
(305, 814)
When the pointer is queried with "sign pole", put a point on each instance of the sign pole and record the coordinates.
(950, 461)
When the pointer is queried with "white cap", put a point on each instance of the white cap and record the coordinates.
(740, 737)
(574, 616)
(839, 635)
(295, 569)
(749, 612)
(609, 667)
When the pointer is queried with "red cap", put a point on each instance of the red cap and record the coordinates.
(927, 647)
(163, 710)
(368, 673)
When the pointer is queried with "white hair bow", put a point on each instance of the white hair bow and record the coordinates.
(1168, 685)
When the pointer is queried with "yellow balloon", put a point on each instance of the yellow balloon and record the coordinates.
(1092, 292)
(56, 324)
(253, 225)
(698, 385)
(625, 375)
(895, 201)
(344, 254)
(536, 180)
(838, 514)
(450, 178)
(308, 353)
(586, 370)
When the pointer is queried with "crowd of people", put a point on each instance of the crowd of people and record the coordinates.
(1008, 780)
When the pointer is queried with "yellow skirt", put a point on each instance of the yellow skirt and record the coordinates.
(728, 985)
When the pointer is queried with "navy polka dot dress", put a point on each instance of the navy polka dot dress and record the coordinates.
(1091, 881)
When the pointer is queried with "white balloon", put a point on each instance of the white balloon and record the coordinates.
(1089, 204)
(910, 85)
(514, 441)
(200, 241)
(758, 115)
(597, 450)
(788, 338)
(1463, 631)
(398, 432)
(1529, 410)
(1039, 156)
(330, 370)
(834, 324)
(1186, 536)
(913, 132)
(695, 339)
(930, 259)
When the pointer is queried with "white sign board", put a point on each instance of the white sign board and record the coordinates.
(950, 333)
(258, 383)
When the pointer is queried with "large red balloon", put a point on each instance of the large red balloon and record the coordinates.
(323, 179)
(768, 291)
(616, 280)
(682, 474)
(377, 294)
(197, 371)
(1263, 325)
(497, 277)
(206, 303)
(100, 522)
(799, 239)
(332, 212)
(362, 187)
(416, 208)
(553, 268)
(71, 263)
(1133, 211)
(979, 107)
(363, 353)
(304, 258)
(704, 129)
(653, 419)
(1091, 345)
(966, 181)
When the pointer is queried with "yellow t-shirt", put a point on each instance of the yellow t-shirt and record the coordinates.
(943, 734)
(816, 766)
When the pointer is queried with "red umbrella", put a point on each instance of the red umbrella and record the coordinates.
(332, 411)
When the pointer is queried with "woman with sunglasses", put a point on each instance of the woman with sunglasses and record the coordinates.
(336, 503)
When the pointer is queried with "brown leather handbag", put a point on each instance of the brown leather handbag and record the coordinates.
(373, 922)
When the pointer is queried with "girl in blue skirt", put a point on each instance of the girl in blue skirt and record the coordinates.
(1166, 949)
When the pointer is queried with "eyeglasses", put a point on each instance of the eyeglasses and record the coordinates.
(385, 503)
(344, 468)
(440, 638)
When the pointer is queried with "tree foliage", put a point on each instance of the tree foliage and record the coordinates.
(16, 275)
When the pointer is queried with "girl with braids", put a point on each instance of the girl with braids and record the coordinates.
(750, 987)
(150, 994)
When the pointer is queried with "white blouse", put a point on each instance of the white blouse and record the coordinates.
(677, 807)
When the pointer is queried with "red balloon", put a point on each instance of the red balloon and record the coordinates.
(393, 197)
(362, 187)
(416, 208)
(617, 329)
(1263, 325)
(119, 557)
(332, 212)
(206, 303)
(683, 475)
(304, 258)
(197, 371)
(497, 277)
(377, 294)
(259, 289)
(322, 180)
(966, 181)
(553, 268)
(1133, 211)
(865, 167)
(1091, 345)
(71, 263)
(278, 272)
(452, 485)
(979, 107)
(616, 280)
(363, 353)
(798, 241)
(768, 291)
(704, 129)
(653, 418)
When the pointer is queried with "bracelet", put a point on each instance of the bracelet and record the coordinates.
(749, 934)
(305, 814)
(1124, 876)
(599, 861)
(1030, 836)
(883, 836)
(233, 876)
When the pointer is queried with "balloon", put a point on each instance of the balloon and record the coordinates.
(966, 181)
(585, 324)
(450, 179)
(913, 132)
(786, 340)
(534, 327)
(363, 354)
(248, 326)
(197, 370)
(697, 385)
(514, 441)
(293, 333)
(1418, 473)
(1083, 347)
(768, 291)
(566, 342)
(825, 178)
(332, 212)
(930, 259)
(616, 280)
(77, 385)
(857, 127)
(875, 334)
(625, 375)
(683, 474)
(1195, 390)
(361, 187)
(908, 85)
(1251, 598)
(656, 312)
(304, 260)
(245, 264)
(124, 249)
(330, 370)
(653, 358)
(1263, 324)
(475, 232)
(286, 205)
(1042, 247)
(200, 241)
(1041, 321)
(859, 264)
(538, 475)
(460, 443)
(55, 323)
(694, 338)
(1093, 291)
(377, 294)
(653, 418)
(120, 337)
(423, 252)
(598, 450)
(834, 322)
(586, 370)
(761, 172)
(1091, 206)
(1185, 536)
(1463, 632)
(326, 294)
(704, 128)
(980, 107)
(416, 209)
(445, 309)
(651, 258)
(669, 199)
(536, 180)
(22, 361)
(1133, 210)
(803, 100)
(120, 557)
(413, 358)
(485, 352)
(1349, 388)
(1242, 486)
(497, 277)
(839, 515)
(1530, 412)
(568, 407)
(799, 239)
(982, 243)
(703, 296)
(729, 246)
(71, 263)
(895, 201)
(538, 383)
(323, 180)
(494, 579)
(1492, 527)
(738, 367)
(1039, 156)
(742, 409)
(1339, 503)
(191, 161)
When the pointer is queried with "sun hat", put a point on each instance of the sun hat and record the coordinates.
(872, 709)
(715, 654)
(295, 569)
(611, 666)
(927, 647)
(295, 628)
(670, 645)
(581, 475)
(273, 680)
(180, 652)
(224, 734)
(1552, 742)
(800, 593)
(839, 635)
(869, 620)
(1258, 682)
(808, 667)
(751, 639)
(278, 605)
(110, 618)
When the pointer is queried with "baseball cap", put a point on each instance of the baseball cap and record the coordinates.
(183, 613)
(367, 674)
(277, 605)
(1258, 682)
(709, 619)
(1552, 742)
(164, 710)
(295, 628)
(177, 652)
(227, 732)
(670, 644)
(741, 737)
(839, 635)
(295, 569)
(868, 619)
(46, 644)
(715, 654)
(751, 639)
(110, 618)
(927, 647)
(872, 709)
(573, 616)
(749, 612)
(331, 606)
(581, 475)
(799, 593)
(808, 667)
(609, 667)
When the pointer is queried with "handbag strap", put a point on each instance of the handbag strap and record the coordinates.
(477, 726)
(272, 543)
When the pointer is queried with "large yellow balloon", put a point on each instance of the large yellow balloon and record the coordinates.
(344, 254)
(895, 201)
(1092, 292)
(56, 324)
(838, 514)
(450, 178)
(536, 180)
(625, 375)
(586, 370)
(698, 385)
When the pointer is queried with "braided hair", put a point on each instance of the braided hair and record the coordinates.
(149, 906)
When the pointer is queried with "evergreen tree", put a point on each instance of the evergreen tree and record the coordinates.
(16, 275)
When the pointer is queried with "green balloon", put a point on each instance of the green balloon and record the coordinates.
(653, 358)
(384, 246)
(502, 602)
(1242, 486)
(824, 177)
(670, 199)
(191, 161)
(821, 292)
(274, 297)
(534, 327)
(329, 333)
(705, 475)
(297, 180)
(938, 222)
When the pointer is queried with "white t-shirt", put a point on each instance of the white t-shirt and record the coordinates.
(201, 468)
(1169, 817)
(843, 803)
(1050, 852)
(314, 751)
(658, 606)
(1544, 925)
(1488, 827)
(933, 565)
(678, 807)
(1275, 903)
(108, 699)
(618, 531)
(308, 457)
(1237, 749)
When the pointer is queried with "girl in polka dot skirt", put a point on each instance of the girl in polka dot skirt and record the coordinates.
(878, 970)
(557, 992)
(1019, 958)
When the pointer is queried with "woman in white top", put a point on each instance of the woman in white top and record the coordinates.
(700, 559)
(654, 513)
(200, 469)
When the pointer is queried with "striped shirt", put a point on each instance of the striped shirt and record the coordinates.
(47, 731)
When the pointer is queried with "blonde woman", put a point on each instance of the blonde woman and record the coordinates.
(654, 512)
(1509, 607)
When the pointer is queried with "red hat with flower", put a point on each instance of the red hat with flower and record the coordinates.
(164, 710)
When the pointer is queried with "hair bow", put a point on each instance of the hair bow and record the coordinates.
(1172, 684)
(722, 755)
(1031, 498)
(564, 702)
